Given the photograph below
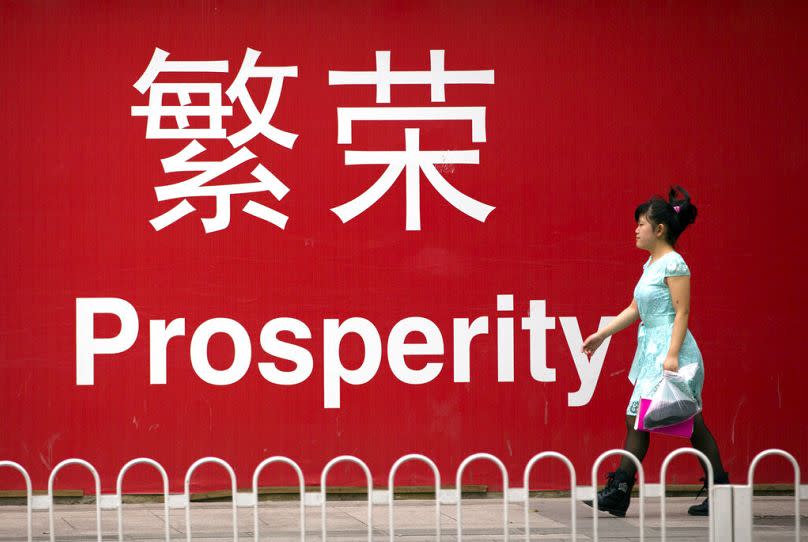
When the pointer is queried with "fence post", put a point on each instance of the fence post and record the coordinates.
(391, 487)
(459, 484)
(28, 491)
(302, 491)
(368, 476)
(188, 475)
(663, 471)
(533, 460)
(119, 487)
(52, 477)
(637, 463)
(744, 514)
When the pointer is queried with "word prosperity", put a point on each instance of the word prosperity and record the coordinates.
(335, 373)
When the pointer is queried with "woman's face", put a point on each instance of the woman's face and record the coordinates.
(647, 235)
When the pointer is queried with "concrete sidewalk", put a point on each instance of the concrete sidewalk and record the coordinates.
(414, 521)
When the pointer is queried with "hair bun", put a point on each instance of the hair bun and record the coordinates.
(677, 213)
(684, 210)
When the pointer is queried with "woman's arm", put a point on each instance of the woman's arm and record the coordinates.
(619, 323)
(680, 297)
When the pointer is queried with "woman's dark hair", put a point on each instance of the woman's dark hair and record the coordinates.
(676, 214)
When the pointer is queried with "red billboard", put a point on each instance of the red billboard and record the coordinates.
(311, 229)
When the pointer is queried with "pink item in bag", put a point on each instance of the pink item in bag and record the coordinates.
(682, 429)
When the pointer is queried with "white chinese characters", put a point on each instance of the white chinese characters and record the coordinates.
(196, 110)
(412, 160)
(214, 111)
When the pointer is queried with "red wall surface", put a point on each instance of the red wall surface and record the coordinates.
(593, 109)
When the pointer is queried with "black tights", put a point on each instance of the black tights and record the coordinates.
(701, 439)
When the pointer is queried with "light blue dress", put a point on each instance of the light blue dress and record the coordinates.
(654, 336)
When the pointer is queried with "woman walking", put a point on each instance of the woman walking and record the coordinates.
(662, 301)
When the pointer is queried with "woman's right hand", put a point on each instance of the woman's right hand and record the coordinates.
(592, 343)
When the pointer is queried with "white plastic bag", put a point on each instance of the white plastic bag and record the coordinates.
(671, 403)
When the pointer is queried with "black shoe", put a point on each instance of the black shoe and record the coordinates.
(703, 509)
(616, 496)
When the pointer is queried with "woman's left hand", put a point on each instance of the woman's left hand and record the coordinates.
(671, 363)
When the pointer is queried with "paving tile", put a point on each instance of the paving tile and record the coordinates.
(347, 521)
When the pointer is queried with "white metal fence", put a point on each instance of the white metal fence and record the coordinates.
(730, 509)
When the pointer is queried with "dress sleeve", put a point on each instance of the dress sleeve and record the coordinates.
(676, 267)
